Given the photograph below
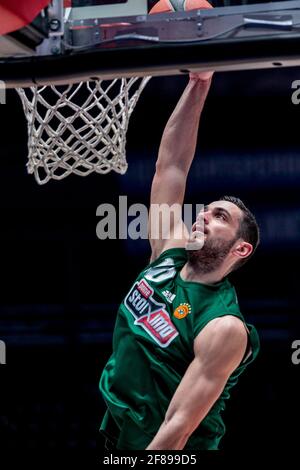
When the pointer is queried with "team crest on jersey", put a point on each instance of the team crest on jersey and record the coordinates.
(182, 311)
(151, 315)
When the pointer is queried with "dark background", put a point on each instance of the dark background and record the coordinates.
(61, 286)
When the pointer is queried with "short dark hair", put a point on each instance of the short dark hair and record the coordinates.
(248, 229)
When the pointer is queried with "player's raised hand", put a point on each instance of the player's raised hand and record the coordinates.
(204, 76)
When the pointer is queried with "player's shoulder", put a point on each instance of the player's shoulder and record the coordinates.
(173, 251)
(221, 345)
(224, 327)
(230, 323)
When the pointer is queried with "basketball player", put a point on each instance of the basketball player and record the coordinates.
(180, 340)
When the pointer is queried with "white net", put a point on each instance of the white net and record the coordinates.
(79, 128)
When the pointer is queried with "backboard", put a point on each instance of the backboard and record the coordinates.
(81, 40)
(88, 9)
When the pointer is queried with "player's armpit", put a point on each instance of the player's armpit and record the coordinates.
(219, 349)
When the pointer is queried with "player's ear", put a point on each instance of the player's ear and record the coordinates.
(243, 249)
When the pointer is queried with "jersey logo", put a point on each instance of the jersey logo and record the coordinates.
(150, 314)
(169, 296)
(182, 311)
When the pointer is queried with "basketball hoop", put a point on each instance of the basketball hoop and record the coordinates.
(79, 128)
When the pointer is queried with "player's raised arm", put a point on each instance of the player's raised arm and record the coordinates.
(219, 349)
(175, 156)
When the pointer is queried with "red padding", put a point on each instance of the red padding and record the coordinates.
(16, 14)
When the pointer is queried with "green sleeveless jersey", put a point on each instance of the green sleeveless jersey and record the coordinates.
(152, 347)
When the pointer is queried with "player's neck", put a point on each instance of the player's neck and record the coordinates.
(190, 274)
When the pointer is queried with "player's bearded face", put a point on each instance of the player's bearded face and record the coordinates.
(211, 255)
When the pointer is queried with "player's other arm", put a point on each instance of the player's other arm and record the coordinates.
(175, 156)
(219, 348)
